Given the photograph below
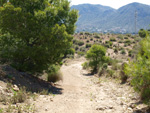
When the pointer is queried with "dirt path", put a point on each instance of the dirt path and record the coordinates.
(83, 93)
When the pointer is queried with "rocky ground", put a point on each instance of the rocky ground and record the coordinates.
(85, 93)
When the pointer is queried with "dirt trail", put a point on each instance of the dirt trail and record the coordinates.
(83, 93)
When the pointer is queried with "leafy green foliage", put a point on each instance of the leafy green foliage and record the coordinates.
(139, 70)
(85, 65)
(35, 33)
(78, 42)
(96, 56)
(142, 33)
(112, 39)
(88, 45)
(70, 51)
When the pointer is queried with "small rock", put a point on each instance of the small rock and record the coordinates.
(130, 109)
(110, 107)
(101, 108)
(121, 103)
(132, 106)
(15, 87)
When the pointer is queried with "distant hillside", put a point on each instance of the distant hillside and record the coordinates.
(96, 18)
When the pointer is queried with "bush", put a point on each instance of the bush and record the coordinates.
(105, 65)
(85, 65)
(82, 49)
(110, 72)
(112, 39)
(123, 51)
(120, 37)
(88, 45)
(81, 53)
(91, 39)
(139, 70)
(76, 48)
(96, 57)
(53, 73)
(142, 33)
(130, 53)
(116, 50)
(125, 37)
(97, 36)
(120, 41)
(80, 43)
(127, 41)
(18, 97)
(124, 77)
(81, 33)
(87, 33)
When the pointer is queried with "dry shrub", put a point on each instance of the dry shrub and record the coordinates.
(55, 77)
(53, 74)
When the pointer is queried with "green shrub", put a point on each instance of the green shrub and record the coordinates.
(53, 73)
(76, 48)
(91, 39)
(142, 33)
(105, 65)
(116, 50)
(82, 49)
(96, 56)
(112, 39)
(18, 97)
(120, 41)
(97, 36)
(110, 72)
(124, 77)
(139, 70)
(123, 51)
(112, 62)
(100, 41)
(80, 43)
(130, 53)
(120, 37)
(87, 41)
(81, 53)
(81, 33)
(128, 35)
(85, 65)
(127, 41)
(88, 45)
(125, 37)
(87, 33)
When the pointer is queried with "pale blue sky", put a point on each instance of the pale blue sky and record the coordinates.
(112, 3)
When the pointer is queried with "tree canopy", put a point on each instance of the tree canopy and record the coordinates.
(35, 33)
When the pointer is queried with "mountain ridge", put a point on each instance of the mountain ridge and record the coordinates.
(99, 18)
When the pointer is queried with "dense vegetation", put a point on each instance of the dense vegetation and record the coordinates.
(35, 34)
(139, 69)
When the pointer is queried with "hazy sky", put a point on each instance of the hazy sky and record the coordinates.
(112, 3)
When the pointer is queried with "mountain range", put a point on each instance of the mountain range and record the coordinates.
(127, 19)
